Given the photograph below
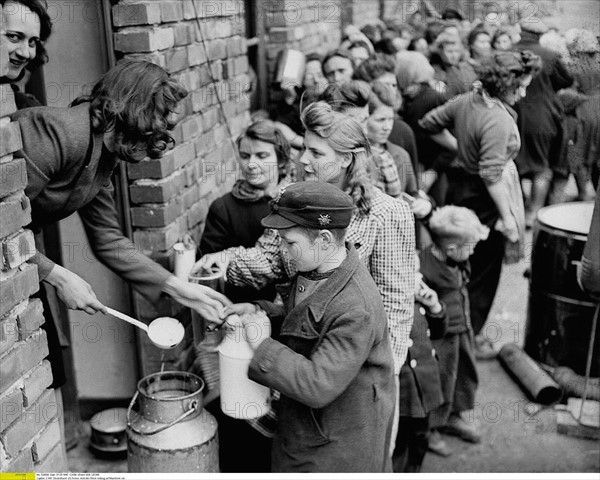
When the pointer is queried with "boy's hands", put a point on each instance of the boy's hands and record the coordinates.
(256, 324)
(428, 298)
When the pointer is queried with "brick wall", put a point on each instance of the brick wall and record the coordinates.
(365, 12)
(308, 26)
(30, 437)
(170, 196)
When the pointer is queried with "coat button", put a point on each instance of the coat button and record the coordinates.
(422, 311)
(301, 288)
(413, 363)
(410, 343)
(428, 333)
(433, 352)
(263, 367)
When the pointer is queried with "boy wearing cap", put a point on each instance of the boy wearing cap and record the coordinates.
(330, 355)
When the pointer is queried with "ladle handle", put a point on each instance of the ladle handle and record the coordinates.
(127, 318)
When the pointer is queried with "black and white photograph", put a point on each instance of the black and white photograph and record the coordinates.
(333, 237)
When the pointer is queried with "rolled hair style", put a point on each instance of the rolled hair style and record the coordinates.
(134, 99)
(503, 71)
(347, 138)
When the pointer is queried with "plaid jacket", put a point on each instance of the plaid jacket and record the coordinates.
(385, 241)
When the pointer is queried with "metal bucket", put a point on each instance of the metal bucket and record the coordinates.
(171, 432)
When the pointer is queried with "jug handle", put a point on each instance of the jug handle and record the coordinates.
(193, 407)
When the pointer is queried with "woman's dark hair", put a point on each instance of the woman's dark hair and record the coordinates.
(39, 7)
(266, 131)
(503, 71)
(354, 93)
(385, 46)
(475, 33)
(373, 68)
(433, 30)
(134, 100)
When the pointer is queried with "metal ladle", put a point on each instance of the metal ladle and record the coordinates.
(157, 328)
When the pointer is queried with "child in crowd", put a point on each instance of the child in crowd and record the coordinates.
(455, 232)
(330, 355)
(420, 384)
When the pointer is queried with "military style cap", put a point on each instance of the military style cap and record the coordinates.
(312, 205)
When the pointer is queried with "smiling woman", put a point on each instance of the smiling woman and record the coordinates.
(27, 26)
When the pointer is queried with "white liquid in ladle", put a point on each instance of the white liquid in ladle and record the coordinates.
(164, 332)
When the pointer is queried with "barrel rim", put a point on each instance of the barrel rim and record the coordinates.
(571, 233)
(143, 391)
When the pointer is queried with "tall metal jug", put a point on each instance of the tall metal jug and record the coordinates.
(171, 432)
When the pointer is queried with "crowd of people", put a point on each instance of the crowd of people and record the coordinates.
(377, 203)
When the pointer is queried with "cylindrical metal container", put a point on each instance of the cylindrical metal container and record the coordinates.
(537, 383)
(560, 313)
(171, 432)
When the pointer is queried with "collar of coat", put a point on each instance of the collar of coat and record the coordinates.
(318, 302)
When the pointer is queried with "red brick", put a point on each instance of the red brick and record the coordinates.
(158, 191)
(11, 408)
(190, 196)
(189, 12)
(152, 168)
(10, 138)
(45, 442)
(216, 69)
(184, 154)
(234, 46)
(210, 118)
(204, 75)
(15, 212)
(192, 172)
(216, 49)
(171, 11)
(160, 238)
(13, 177)
(144, 39)
(7, 100)
(31, 318)
(177, 59)
(157, 215)
(32, 421)
(17, 286)
(22, 358)
(9, 333)
(18, 248)
(182, 34)
(191, 127)
(36, 382)
(53, 463)
(126, 14)
(22, 463)
(197, 213)
(196, 54)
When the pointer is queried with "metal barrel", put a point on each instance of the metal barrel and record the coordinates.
(170, 431)
(560, 313)
(537, 383)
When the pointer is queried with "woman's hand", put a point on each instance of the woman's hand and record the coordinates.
(428, 297)
(508, 228)
(421, 207)
(210, 263)
(204, 300)
(74, 291)
(240, 309)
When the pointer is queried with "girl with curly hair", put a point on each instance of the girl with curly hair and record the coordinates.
(70, 154)
(487, 141)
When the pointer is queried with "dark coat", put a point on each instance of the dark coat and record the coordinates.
(232, 222)
(420, 383)
(450, 283)
(540, 112)
(69, 170)
(333, 365)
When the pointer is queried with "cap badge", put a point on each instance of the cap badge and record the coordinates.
(324, 220)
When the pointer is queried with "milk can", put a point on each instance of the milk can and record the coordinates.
(240, 396)
(170, 431)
